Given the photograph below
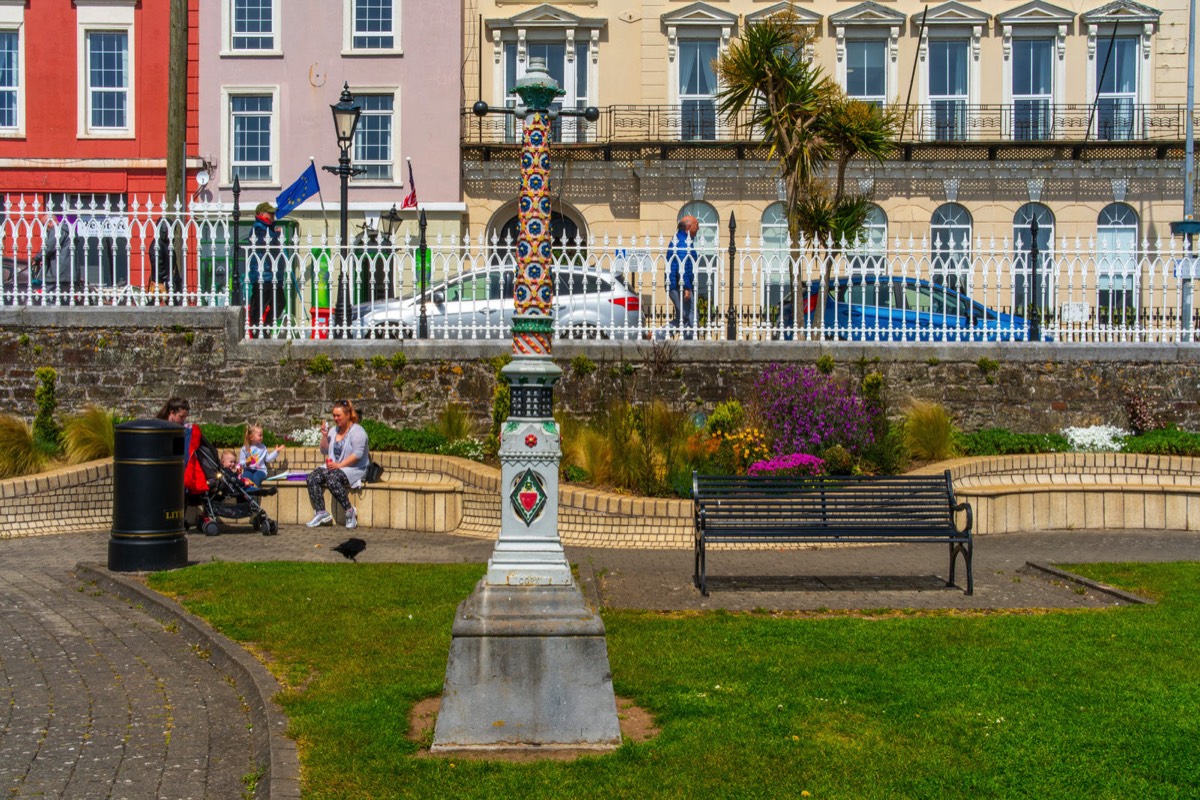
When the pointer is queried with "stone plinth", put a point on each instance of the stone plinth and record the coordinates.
(528, 668)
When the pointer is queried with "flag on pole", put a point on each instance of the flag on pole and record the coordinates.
(304, 187)
(410, 201)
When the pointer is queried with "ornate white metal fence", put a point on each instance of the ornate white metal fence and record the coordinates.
(756, 289)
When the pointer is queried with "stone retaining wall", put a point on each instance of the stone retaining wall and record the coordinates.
(131, 360)
(1060, 491)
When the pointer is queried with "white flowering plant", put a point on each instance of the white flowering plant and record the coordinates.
(306, 437)
(1096, 438)
(464, 448)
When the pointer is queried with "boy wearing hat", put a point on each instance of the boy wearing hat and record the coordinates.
(267, 271)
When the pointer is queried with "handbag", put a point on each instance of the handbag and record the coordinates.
(374, 472)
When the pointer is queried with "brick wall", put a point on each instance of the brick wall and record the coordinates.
(68, 499)
(1007, 493)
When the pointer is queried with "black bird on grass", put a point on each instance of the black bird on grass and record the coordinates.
(351, 548)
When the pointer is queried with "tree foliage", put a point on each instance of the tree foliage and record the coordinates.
(808, 123)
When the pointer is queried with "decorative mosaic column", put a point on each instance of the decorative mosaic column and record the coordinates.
(529, 551)
(528, 665)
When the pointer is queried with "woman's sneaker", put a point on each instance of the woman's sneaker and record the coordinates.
(320, 518)
(351, 518)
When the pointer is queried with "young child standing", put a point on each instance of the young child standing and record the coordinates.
(255, 456)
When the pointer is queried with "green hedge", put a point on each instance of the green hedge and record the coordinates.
(406, 440)
(1003, 442)
(231, 437)
(380, 435)
(1164, 442)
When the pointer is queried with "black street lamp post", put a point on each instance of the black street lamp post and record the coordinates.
(345, 120)
(422, 275)
(731, 314)
(235, 280)
(389, 223)
(1035, 313)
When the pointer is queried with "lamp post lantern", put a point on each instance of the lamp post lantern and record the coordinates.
(389, 221)
(345, 120)
(528, 663)
(389, 227)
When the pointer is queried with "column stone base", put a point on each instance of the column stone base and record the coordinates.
(528, 669)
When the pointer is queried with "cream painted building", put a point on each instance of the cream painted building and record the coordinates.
(1071, 112)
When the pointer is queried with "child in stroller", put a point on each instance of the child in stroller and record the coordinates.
(227, 497)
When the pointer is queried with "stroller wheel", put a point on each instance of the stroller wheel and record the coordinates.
(210, 527)
(268, 526)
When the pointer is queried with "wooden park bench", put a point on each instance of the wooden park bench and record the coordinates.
(737, 509)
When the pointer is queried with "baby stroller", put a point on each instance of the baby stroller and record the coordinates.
(227, 497)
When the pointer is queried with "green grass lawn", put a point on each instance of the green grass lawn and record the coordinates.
(1095, 704)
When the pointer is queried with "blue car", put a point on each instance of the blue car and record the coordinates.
(891, 308)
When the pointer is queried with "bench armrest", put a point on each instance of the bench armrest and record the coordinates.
(964, 506)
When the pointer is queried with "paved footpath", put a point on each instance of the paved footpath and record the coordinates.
(99, 700)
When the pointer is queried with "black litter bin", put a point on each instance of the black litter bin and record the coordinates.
(147, 531)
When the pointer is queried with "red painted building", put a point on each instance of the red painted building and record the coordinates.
(83, 98)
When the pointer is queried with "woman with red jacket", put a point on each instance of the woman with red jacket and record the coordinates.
(176, 410)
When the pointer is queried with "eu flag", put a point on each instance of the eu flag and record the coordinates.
(304, 187)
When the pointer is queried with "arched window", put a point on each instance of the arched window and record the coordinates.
(950, 245)
(775, 236)
(1116, 268)
(870, 251)
(775, 261)
(567, 237)
(710, 223)
(1022, 276)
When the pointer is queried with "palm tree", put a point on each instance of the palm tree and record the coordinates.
(808, 123)
(858, 128)
(765, 72)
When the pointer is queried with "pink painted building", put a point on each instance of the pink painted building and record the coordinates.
(270, 69)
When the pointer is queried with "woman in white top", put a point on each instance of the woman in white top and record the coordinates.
(346, 460)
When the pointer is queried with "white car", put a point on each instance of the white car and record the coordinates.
(479, 305)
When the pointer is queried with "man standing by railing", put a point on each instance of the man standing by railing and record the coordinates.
(681, 262)
(266, 277)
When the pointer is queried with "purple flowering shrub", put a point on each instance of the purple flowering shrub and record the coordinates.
(793, 464)
(808, 412)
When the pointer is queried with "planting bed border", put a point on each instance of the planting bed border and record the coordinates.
(1008, 493)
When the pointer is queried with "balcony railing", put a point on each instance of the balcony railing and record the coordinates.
(1111, 120)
